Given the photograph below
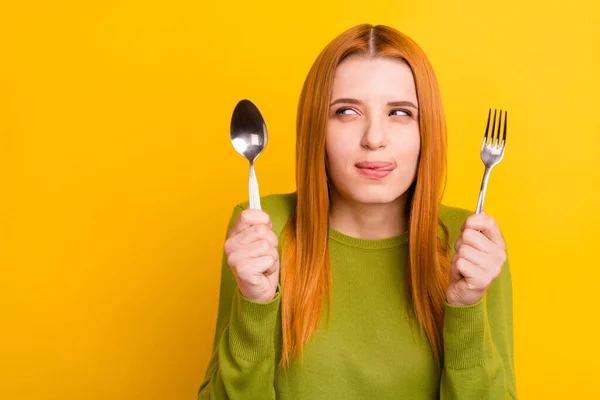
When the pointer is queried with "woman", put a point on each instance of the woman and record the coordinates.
(384, 293)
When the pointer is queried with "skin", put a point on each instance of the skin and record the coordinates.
(373, 117)
(251, 250)
(369, 127)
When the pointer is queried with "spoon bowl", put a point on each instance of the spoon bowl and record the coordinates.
(248, 131)
(248, 134)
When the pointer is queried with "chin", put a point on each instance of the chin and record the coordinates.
(373, 195)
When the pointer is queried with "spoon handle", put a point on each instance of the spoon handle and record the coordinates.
(253, 189)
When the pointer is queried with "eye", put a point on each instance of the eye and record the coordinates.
(346, 111)
(401, 113)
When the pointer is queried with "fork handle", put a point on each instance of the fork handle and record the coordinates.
(484, 182)
(253, 189)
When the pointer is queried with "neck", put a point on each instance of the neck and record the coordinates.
(368, 220)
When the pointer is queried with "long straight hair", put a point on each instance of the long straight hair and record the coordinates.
(306, 274)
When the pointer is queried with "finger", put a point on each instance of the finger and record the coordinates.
(458, 243)
(454, 270)
(259, 249)
(273, 268)
(486, 225)
(474, 277)
(477, 240)
(257, 232)
(461, 267)
(251, 251)
(251, 268)
(472, 255)
(248, 218)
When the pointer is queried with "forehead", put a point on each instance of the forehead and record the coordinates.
(362, 77)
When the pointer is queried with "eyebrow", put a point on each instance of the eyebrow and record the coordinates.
(402, 103)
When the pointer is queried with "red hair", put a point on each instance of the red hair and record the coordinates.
(306, 275)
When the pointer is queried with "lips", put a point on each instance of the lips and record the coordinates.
(376, 165)
(376, 169)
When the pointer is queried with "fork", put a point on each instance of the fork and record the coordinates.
(492, 152)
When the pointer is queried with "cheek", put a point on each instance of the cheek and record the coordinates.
(415, 148)
(343, 137)
(414, 144)
(337, 163)
(338, 149)
(408, 149)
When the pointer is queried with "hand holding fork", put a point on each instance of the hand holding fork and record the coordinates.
(480, 251)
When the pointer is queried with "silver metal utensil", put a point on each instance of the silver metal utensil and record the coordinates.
(492, 152)
(248, 134)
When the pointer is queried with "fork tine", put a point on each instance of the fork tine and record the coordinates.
(487, 127)
(504, 135)
(493, 129)
(497, 142)
(498, 131)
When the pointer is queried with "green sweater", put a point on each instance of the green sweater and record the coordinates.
(369, 349)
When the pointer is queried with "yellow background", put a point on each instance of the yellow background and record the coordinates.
(117, 176)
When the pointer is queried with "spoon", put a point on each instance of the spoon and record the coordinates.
(248, 134)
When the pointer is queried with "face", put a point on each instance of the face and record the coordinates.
(373, 140)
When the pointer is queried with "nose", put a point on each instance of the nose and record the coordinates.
(374, 136)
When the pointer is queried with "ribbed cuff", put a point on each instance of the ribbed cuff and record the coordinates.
(252, 327)
(466, 335)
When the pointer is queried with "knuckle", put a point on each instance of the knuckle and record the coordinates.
(261, 230)
(231, 261)
(461, 263)
(254, 279)
(275, 239)
(227, 246)
(275, 254)
(245, 216)
(498, 259)
(468, 234)
(453, 263)
(263, 245)
(497, 272)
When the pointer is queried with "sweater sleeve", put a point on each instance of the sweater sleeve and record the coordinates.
(478, 346)
(242, 365)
